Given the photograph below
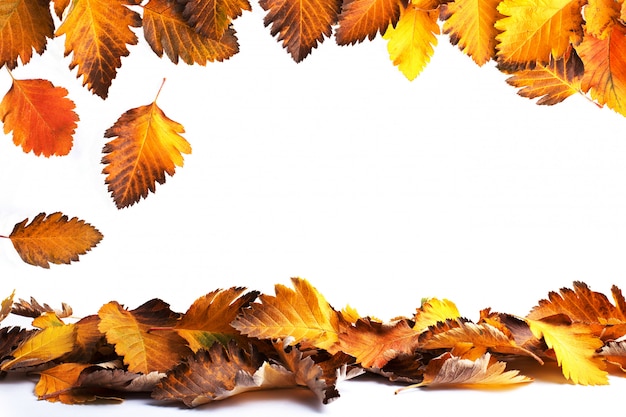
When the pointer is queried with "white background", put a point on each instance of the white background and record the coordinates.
(378, 190)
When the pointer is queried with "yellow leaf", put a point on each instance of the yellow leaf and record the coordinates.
(433, 311)
(410, 44)
(5, 307)
(575, 349)
(97, 32)
(148, 145)
(53, 239)
(302, 313)
(534, 30)
(55, 384)
(24, 26)
(600, 16)
(46, 320)
(470, 24)
(44, 346)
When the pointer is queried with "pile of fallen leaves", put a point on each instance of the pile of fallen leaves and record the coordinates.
(232, 341)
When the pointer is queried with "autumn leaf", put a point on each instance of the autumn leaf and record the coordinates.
(166, 30)
(300, 24)
(600, 16)
(42, 347)
(411, 42)
(432, 311)
(605, 68)
(615, 352)
(53, 239)
(535, 30)
(5, 306)
(575, 348)
(57, 383)
(449, 370)
(551, 83)
(212, 18)
(40, 115)
(470, 24)
(24, 26)
(208, 319)
(118, 380)
(143, 351)
(360, 19)
(97, 33)
(34, 309)
(147, 145)
(302, 313)
(10, 339)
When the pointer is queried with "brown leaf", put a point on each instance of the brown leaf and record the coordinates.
(53, 239)
(360, 19)
(34, 309)
(119, 380)
(10, 339)
(212, 18)
(5, 307)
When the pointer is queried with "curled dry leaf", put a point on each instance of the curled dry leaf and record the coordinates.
(34, 309)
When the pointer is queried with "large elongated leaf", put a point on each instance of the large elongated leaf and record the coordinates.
(40, 115)
(42, 347)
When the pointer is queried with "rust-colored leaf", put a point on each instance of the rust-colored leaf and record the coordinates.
(24, 26)
(360, 19)
(166, 31)
(40, 115)
(212, 18)
(300, 24)
(97, 33)
(53, 239)
(147, 145)
(56, 384)
(5, 306)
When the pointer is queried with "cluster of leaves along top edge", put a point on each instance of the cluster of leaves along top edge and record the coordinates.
(231, 341)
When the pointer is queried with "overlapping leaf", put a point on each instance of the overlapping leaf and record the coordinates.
(147, 145)
(5, 306)
(42, 347)
(53, 239)
(40, 115)
(97, 33)
(212, 18)
(360, 19)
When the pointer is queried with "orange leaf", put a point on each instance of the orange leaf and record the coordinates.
(166, 31)
(366, 18)
(143, 351)
(147, 146)
(5, 307)
(56, 384)
(605, 68)
(600, 16)
(534, 30)
(552, 83)
(470, 24)
(53, 239)
(300, 24)
(40, 115)
(24, 26)
(212, 18)
(97, 32)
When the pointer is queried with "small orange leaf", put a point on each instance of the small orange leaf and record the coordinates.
(5, 307)
(53, 239)
(148, 145)
(24, 26)
(40, 115)
(166, 31)
(56, 384)
(360, 19)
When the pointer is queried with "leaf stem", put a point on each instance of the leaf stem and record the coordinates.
(160, 88)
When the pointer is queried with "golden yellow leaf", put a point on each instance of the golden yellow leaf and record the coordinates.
(302, 313)
(5, 307)
(56, 384)
(470, 24)
(143, 351)
(410, 44)
(166, 31)
(24, 26)
(360, 19)
(147, 145)
(600, 16)
(97, 34)
(575, 348)
(434, 310)
(53, 239)
(43, 346)
(534, 30)
(46, 320)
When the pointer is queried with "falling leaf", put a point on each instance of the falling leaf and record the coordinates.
(535, 30)
(411, 42)
(302, 313)
(360, 19)
(450, 370)
(147, 145)
(551, 83)
(97, 33)
(208, 319)
(5, 307)
(433, 311)
(40, 115)
(605, 68)
(300, 24)
(212, 18)
(143, 351)
(41, 347)
(53, 239)
(166, 30)
(470, 24)
(575, 349)
(24, 26)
